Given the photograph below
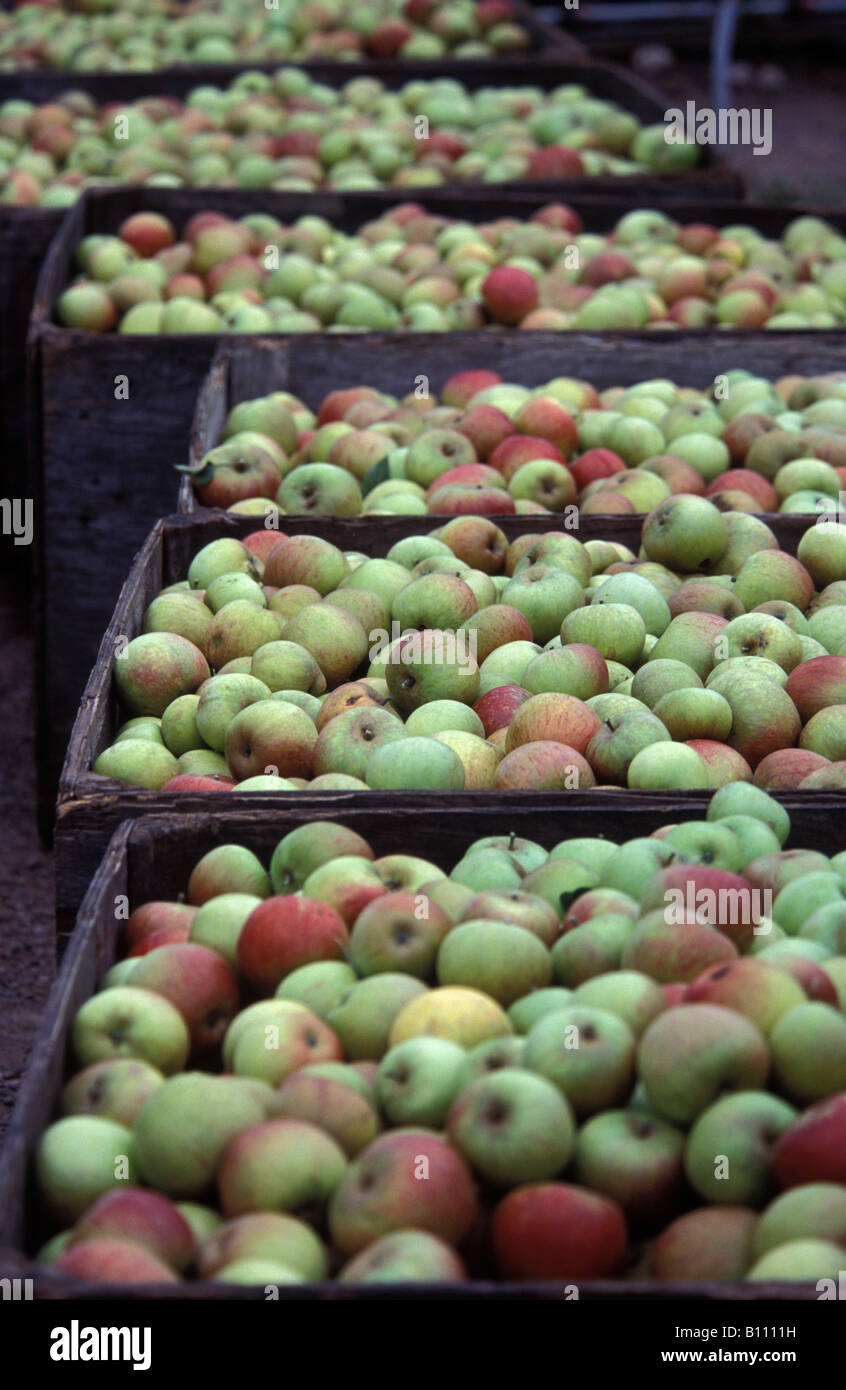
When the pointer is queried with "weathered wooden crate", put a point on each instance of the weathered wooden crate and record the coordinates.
(103, 464)
(152, 859)
(314, 364)
(90, 806)
(548, 68)
(25, 235)
(545, 40)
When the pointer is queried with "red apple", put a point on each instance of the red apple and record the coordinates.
(199, 983)
(107, 1261)
(486, 427)
(813, 1148)
(145, 1218)
(191, 782)
(788, 767)
(285, 932)
(496, 708)
(510, 293)
(156, 917)
(518, 449)
(593, 464)
(817, 683)
(461, 387)
(557, 1231)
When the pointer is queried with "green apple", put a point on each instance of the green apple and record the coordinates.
(318, 986)
(688, 1055)
(801, 897)
(616, 630)
(138, 762)
(799, 1261)
(126, 1021)
(218, 923)
(265, 1235)
(79, 1158)
(662, 676)
(588, 1053)
(114, 1089)
(742, 799)
(635, 1159)
(502, 960)
(663, 766)
(619, 739)
(418, 1080)
(809, 1051)
(184, 1128)
(545, 596)
(221, 698)
(728, 1154)
(628, 994)
(631, 867)
(684, 532)
(512, 1127)
(814, 1211)
(591, 949)
(421, 764)
(525, 1012)
(222, 556)
(363, 1017)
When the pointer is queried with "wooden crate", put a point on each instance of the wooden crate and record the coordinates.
(25, 235)
(152, 859)
(45, 84)
(314, 364)
(547, 69)
(90, 806)
(95, 507)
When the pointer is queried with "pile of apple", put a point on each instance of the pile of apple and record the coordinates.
(423, 272)
(287, 130)
(461, 661)
(143, 35)
(746, 443)
(596, 1061)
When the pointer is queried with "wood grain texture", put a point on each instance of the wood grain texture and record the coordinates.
(25, 235)
(152, 859)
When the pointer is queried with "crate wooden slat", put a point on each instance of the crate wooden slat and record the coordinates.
(90, 807)
(152, 858)
(25, 235)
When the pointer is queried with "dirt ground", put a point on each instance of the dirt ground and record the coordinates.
(806, 165)
(27, 950)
